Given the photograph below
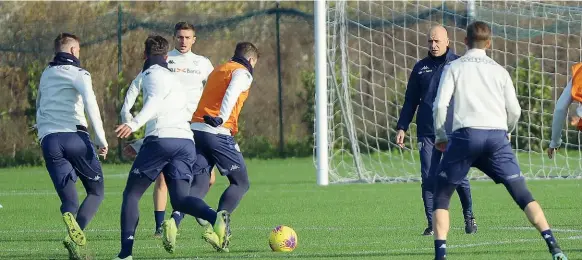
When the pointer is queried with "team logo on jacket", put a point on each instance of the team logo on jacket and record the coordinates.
(424, 69)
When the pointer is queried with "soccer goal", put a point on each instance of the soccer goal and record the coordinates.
(365, 51)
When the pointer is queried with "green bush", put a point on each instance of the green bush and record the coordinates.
(534, 92)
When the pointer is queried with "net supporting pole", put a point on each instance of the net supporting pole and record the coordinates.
(322, 158)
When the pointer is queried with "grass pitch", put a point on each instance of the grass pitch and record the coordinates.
(355, 221)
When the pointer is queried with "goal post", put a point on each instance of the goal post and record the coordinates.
(365, 51)
(321, 126)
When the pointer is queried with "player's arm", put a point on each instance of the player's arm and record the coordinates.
(37, 108)
(85, 87)
(511, 104)
(560, 113)
(154, 98)
(241, 81)
(130, 97)
(209, 68)
(411, 101)
(441, 103)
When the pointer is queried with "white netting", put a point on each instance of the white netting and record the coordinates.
(372, 47)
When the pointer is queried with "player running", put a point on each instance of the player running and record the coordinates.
(214, 123)
(168, 148)
(421, 92)
(486, 110)
(64, 94)
(192, 70)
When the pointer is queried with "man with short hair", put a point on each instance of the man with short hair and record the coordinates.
(65, 93)
(192, 70)
(486, 110)
(168, 147)
(421, 92)
(215, 123)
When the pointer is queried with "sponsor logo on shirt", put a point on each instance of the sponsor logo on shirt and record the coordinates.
(185, 70)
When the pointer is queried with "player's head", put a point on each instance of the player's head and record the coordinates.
(438, 40)
(478, 35)
(248, 51)
(156, 45)
(184, 37)
(69, 43)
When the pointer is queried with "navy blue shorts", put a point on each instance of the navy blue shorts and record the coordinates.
(69, 155)
(174, 156)
(487, 150)
(217, 150)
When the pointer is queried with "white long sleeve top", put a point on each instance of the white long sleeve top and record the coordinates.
(64, 94)
(192, 71)
(484, 95)
(165, 111)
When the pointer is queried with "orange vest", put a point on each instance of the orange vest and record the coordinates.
(213, 93)
(577, 86)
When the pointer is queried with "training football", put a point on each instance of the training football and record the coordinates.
(283, 239)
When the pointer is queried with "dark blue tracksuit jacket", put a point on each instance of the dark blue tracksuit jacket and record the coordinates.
(421, 93)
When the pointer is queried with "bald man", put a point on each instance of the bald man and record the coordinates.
(420, 93)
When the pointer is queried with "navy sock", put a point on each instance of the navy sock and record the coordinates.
(126, 246)
(159, 216)
(177, 216)
(440, 249)
(550, 240)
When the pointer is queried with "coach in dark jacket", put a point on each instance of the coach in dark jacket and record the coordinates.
(420, 93)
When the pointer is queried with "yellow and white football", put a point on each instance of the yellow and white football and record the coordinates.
(283, 239)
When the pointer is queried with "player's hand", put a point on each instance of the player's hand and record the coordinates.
(103, 152)
(509, 136)
(212, 121)
(551, 152)
(442, 146)
(574, 120)
(400, 138)
(129, 152)
(123, 131)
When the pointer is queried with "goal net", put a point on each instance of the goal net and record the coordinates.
(372, 47)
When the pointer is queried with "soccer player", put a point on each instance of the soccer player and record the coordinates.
(486, 109)
(192, 70)
(421, 92)
(572, 92)
(64, 94)
(168, 148)
(214, 123)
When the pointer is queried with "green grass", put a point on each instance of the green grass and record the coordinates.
(355, 221)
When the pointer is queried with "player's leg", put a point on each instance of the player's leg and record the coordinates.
(464, 191)
(160, 201)
(136, 186)
(229, 160)
(146, 168)
(502, 166)
(63, 177)
(199, 188)
(199, 184)
(425, 149)
(83, 157)
(463, 148)
(178, 173)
